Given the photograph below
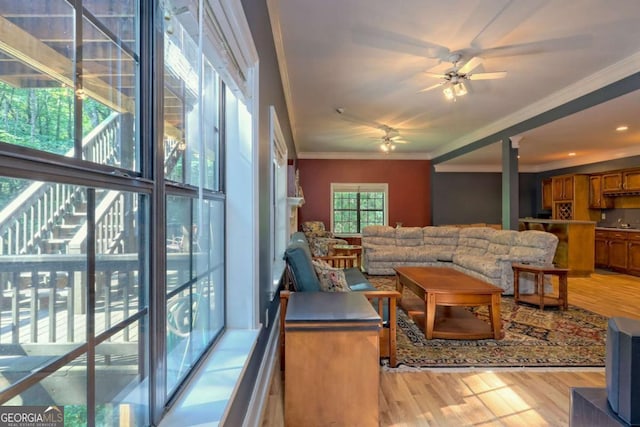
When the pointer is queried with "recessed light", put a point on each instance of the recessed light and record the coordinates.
(572, 154)
(622, 128)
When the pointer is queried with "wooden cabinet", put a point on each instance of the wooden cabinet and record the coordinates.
(332, 357)
(618, 250)
(601, 249)
(633, 253)
(624, 181)
(611, 182)
(571, 197)
(597, 200)
(562, 188)
(547, 194)
(631, 180)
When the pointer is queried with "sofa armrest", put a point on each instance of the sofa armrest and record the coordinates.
(378, 298)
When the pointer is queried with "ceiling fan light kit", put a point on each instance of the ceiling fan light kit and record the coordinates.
(454, 77)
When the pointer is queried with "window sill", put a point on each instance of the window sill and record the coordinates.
(206, 399)
(277, 270)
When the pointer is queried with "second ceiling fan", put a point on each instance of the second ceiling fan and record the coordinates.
(453, 78)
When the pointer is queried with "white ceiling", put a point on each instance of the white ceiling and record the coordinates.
(368, 57)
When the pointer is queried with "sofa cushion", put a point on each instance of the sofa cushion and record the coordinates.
(378, 235)
(298, 258)
(474, 240)
(409, 236)
(439, 242)
(483, 264)
(534, 246)
(501, 241)
(331, 279)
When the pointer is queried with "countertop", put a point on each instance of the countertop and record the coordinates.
(632, 230)
(554, 221)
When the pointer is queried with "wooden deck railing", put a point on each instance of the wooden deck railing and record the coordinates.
(42, 296)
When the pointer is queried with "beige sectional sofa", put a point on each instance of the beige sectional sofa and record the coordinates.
(482, 252)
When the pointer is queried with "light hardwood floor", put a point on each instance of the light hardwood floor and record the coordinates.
(526, 397)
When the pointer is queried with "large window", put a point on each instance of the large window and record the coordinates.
(354, 206)
(113, 201)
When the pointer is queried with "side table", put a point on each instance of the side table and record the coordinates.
(349, 250)
(539, 297)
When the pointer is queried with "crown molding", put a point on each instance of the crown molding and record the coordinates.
(276, 30)
(560, 164)
(363, 156)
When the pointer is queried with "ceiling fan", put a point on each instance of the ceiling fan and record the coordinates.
(454, 77)
(390, 138)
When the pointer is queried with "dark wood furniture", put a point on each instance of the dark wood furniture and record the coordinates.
(618, 250)
(332, 353)
(444, 292)
(349, 250)
(379, 299)
(539, 297)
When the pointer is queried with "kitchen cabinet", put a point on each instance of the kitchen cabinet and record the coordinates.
(571, 198)
(624, 181)
(547, 194)
(631, 180)
(562, 188)
(601, 249)
(612, 182)
(633, 254)
(618, 250)
(597, 200)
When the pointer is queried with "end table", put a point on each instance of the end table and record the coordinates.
(539, 297)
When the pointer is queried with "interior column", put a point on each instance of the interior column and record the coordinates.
(510, 186)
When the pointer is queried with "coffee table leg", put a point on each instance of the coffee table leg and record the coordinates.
(494, 310)
(429, 315)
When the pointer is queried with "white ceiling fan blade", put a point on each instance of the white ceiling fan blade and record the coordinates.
(470, 65)
(435, 86)
(488, 76)
(434, 75)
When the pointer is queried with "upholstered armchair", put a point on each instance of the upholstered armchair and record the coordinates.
(320, 240)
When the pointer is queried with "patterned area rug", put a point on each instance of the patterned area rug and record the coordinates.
(532, 338)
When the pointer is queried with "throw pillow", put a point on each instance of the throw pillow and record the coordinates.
(331, 279)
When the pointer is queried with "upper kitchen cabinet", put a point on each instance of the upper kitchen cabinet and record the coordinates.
(597, 200)
(571, 197)
(621, 182)
(562, 187)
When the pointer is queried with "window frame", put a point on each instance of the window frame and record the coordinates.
(359, 188)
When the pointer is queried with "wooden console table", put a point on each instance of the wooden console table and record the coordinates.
(539, 297)
(332, 376)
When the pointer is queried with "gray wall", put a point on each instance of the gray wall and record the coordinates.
(463, 198)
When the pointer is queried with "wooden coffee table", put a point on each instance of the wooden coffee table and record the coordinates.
(445, 292)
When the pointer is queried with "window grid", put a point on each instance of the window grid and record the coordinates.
(354, 210)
